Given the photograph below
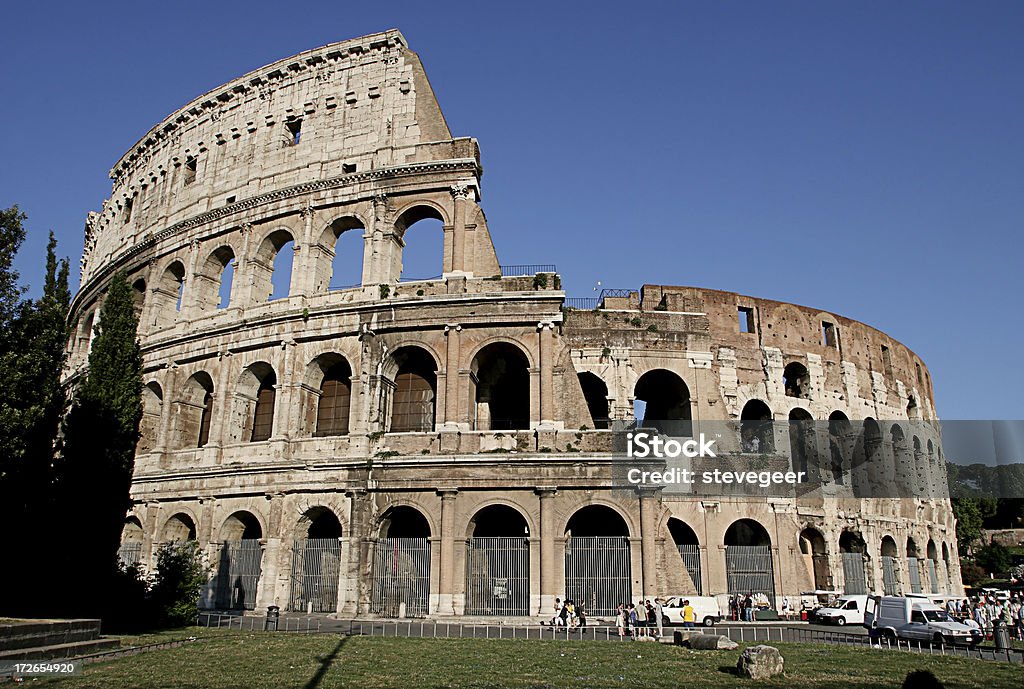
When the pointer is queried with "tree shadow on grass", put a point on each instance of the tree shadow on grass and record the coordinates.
(325, 664)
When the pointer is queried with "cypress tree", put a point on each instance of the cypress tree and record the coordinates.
(98, 453)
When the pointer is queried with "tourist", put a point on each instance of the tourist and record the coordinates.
(621, 620)
(557, 618)
(659, 616)
(634, 620)
(748, 608)
(688, 614)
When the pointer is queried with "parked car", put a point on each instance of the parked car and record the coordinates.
(706, 610)
(915, 618)
(846, 610)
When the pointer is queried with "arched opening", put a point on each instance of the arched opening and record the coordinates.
(749, 565)
(796, 381)
(239, 563)
(421, 237)
(890, 584)
(334, 401)
(212, 283)
(662, 401)
(815, 556)
(415, 391)
(839, 434)
(868, 474)
(316, 562)
(500, 377)
(130, 551)
(597, 561)
(853, 550)
(914, 566)
(167, 295)
(688, 565)
(341, 245)
(756, 432)
(85, 333)
(139, 296)
(595, 392)
(152, 409)
(271, 267)
(498, 563)
(401, 564)
(255, 398)
(179, 528)
(898, 475)
(933, 566)
(195, 411)
(802, 442)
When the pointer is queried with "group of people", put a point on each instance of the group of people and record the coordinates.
(986, 613)
(642, 620)
(569, 614)
(743, 608)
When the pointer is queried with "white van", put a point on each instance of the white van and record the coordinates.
(706, 610)
(847, 610)
(915, 618)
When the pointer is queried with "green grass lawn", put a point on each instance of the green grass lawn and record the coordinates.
(290, 661)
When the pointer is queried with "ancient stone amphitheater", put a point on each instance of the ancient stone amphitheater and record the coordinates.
(445, 446)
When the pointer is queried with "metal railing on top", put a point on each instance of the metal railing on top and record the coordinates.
(582, 303)
(527, 270)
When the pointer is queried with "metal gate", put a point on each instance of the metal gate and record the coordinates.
(130, 553)
(597, 572)
(933, 575)
(915, 575)
(853, 574)
(316, 567)
(889, 586)
(749, 569)
(238, 574)
(498, 576)
(401, 575)
(691, 560)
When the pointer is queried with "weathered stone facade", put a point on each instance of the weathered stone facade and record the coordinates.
(328, 434)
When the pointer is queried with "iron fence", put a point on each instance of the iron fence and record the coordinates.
(238, 574)
(749, 569)
(526, 270)
(889, 585)
(130, 553)
(316, 569)
(582, 303)
(401, 577)
(691, 560)
(498, 576)
(915, 575)
(854, 574)
(597, 572)
(933, 576)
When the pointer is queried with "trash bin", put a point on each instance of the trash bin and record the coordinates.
(273, 613)
(1001, 636)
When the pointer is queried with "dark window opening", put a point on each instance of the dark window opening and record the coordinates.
(204, 419)
(128, 203)
(415, 392)
(404, 522)
(662, 401)
(502, 377)
(348, 167)
(796, 380)
(920, 376)
(595, 391)
(294, 131)
(886, 358)
(756, 431)
(828, 334)
(335, 400)
(191, 166)
(230, 200)
(263, 416)
(498, 521)
(746, 319)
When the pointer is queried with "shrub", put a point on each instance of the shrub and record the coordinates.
(181, 573)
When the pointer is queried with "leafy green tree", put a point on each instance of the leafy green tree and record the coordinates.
(181, 573)
(98, 452)
(994, 558)
(12, 234)
(970, 516)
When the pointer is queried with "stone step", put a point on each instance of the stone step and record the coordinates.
(59, 651)
(39, 633)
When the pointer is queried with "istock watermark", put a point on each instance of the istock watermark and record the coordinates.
(643, 445)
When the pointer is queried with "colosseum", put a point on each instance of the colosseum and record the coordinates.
(376, 444)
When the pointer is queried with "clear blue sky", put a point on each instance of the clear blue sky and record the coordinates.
(863, 157)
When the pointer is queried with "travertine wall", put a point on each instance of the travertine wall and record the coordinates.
(373, 157)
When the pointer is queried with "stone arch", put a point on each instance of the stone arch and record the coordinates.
(180, 526)
(498, 561)
(213, 282)
(815, 556)
(152, 413)
(268, 260)
(338, 263)
(500, 387)
(595, 392)
(597, 519)
(498, 520)
(796, 381)
(316, 562)
(749, 561)
(254, 403)
(318, 522)
(195, 409)
(757, 433)
(132, 531)
(598, 562)
(839, 443)
(746, 532)
(139, 297)
(423, 260)
(167, 293)
(888, 547)
(241, 525)
(404, 521)
(327, 395)
(411, 390)
(666, 399)
(803, 449)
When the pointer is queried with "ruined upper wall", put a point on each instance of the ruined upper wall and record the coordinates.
(345, 108)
